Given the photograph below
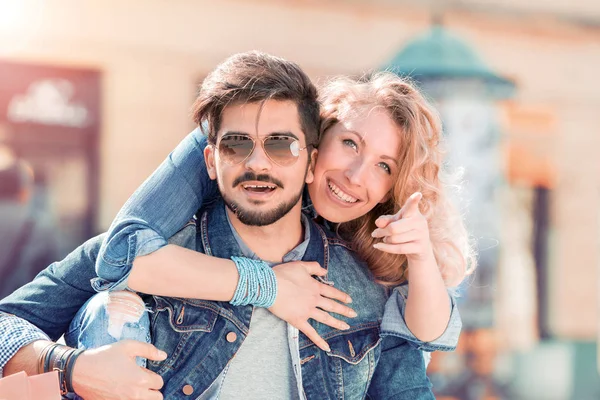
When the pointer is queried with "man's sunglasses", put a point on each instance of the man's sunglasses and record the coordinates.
(283, 150)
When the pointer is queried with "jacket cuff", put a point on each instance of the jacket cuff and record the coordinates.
(113, 272)
(394, 324)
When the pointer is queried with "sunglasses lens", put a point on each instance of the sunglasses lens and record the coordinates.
(283, 150)
(235, 148)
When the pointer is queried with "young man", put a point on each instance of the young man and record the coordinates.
(216, 349)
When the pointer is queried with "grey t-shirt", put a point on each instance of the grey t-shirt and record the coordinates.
(262, 368)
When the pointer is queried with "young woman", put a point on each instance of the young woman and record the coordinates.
(377, 182)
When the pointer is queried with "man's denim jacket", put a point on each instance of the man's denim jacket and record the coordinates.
(361, 364)
(195, 332)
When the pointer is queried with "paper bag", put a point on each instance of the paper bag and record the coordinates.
(38, 387)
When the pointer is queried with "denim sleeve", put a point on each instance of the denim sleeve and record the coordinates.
(394, 324)
(400, 373)
(15, 333)
(53, 298)
(156, 211)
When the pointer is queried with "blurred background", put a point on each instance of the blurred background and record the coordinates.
(95, 94)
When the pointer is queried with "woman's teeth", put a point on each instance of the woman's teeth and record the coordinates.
(340, 194)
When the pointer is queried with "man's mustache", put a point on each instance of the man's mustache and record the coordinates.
(250, 176)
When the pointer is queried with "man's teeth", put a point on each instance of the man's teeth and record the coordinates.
(258, 187)
(340, 194)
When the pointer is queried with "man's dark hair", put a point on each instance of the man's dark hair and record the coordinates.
(256, 77)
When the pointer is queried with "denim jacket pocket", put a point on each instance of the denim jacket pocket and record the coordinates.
(352, 345)
(187, 317)
(176, 328)
(345, 371)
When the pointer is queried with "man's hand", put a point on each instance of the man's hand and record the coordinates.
(110, 372)
(300, 297)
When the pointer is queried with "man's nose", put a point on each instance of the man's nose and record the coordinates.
(258, 160)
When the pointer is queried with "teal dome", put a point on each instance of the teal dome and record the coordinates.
(439, 54)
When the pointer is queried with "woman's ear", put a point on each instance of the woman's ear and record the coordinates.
(209, 159)
(310, 174)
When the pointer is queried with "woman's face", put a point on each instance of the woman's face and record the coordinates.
(356, 167)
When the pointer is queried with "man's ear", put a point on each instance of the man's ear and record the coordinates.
(310, 174)
(209, 159)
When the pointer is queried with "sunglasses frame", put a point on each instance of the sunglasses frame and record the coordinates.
(262, 141)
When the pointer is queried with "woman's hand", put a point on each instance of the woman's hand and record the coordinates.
(428, 306)
(300, 297)
(405, 232)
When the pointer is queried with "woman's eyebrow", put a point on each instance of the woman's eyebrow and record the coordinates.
(392, 159)
(383, 156)
(356, 134)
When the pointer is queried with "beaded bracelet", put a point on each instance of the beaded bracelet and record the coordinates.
(257, 284)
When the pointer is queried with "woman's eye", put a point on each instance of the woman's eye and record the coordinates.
(386, 168)
(350, 143)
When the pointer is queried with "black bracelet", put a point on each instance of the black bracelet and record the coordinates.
(60, 358)
(69, 369)
(57, 356)
(42, 358)
(48, 356)
(59, 366)
(55, 361)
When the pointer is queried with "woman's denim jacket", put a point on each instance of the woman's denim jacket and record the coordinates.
(171, 196)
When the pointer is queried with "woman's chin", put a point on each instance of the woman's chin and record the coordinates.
(335, 214)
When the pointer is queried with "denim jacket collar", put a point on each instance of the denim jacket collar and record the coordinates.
(218, 239)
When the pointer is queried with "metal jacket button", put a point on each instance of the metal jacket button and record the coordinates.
(231, 337)
(188, 390)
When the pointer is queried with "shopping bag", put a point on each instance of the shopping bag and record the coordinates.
(38, 387)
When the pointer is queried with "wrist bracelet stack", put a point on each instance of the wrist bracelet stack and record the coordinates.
(257, 284)
(56, 357)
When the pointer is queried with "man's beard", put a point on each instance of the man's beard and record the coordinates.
(258, 218)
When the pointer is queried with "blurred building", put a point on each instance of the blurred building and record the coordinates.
(150, 55)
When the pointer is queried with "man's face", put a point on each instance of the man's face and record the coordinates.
(256, 189)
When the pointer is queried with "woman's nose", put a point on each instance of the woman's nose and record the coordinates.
(356, 173)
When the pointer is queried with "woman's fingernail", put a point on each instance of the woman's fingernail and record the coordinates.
(345, 327)
(328, 349)
(352, 314)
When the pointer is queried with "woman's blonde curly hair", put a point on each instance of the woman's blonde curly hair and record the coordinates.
(420, 170)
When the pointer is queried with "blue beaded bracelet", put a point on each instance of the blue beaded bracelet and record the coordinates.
(257, 284)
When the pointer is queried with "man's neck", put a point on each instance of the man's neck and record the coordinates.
(272, 242)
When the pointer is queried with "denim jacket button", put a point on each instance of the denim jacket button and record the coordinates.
(188, 390)
(231, 337)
